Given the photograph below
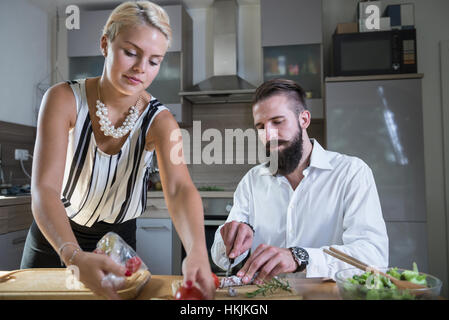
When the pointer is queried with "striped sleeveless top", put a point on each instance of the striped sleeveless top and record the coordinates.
(102, 187)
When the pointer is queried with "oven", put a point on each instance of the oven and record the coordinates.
(216, 212)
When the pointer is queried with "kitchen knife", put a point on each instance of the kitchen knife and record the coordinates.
(228, 271)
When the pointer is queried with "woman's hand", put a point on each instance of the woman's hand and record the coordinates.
(196, 269)
(93, 268)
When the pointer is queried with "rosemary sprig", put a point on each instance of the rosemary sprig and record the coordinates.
(270, 287)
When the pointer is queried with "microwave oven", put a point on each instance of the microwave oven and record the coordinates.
(378, 52)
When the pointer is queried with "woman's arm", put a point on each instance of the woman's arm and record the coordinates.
(183, 202)
(56, 117)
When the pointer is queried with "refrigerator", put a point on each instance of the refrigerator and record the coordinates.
(380, 122)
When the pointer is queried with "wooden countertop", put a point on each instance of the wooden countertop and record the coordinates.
(159, 287)
(14, 200)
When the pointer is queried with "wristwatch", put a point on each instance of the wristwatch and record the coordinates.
(301, 257)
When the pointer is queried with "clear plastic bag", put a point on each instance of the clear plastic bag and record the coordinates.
(121, 253)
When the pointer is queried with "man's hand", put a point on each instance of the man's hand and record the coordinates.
(237, 237)
(269, 261)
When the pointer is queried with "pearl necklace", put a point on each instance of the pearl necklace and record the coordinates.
(106, 125)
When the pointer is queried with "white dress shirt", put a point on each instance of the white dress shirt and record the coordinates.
(336, 203)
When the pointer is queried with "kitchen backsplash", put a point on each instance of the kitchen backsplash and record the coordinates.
(221, 117)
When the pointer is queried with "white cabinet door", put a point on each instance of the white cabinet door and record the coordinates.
(154, 244)
(11, 249)
(289, 22)
(85, 41)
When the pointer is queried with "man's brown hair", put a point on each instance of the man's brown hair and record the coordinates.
(290, 88)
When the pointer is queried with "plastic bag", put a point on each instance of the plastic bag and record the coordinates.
(118, 250)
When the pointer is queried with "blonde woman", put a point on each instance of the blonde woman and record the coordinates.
(92, 155)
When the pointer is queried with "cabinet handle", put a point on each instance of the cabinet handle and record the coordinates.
(19, 240)
(154, 228)
(153, 207)
(214, 222)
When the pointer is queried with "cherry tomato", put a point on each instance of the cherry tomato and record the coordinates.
(192, 293)
(132, 265)
(216, 280)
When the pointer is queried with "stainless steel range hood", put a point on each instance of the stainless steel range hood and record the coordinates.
(225, 86)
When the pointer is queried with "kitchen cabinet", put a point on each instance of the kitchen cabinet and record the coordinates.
(176, 71)
(15, 220)
(11, 249)
(155, 245)
(158, 243)
(292, 47)
(85, 41)
(290, 22)
(380, 121)
(407, 244)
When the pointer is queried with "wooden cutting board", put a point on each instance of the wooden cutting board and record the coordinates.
(166, 291)
(58, 283)
(222, 294)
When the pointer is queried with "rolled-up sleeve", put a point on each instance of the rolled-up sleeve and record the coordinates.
(240, 212)
(364, 232)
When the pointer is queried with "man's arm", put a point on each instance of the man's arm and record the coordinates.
(235, 228)
(365, 235)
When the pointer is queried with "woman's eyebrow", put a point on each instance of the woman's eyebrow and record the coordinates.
(135, 45)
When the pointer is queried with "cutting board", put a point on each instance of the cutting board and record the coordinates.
(222, 294)
(57, 283)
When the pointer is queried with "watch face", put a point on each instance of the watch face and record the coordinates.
(302, 255)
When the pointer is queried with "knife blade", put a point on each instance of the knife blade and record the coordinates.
(228, 271)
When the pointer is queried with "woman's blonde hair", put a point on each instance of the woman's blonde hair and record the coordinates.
(132, 13)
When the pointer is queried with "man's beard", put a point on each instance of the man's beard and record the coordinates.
(287, 159)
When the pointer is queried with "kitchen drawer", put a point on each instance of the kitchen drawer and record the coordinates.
(14, 218)
(11, 249)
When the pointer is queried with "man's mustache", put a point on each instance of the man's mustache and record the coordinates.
(276, 142)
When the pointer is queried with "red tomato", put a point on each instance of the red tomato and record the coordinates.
(216, 280)
(132, 265)
(192, 293)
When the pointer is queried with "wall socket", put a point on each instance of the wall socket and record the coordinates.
(21, 154)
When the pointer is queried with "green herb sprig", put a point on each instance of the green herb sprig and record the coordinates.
(270, 287)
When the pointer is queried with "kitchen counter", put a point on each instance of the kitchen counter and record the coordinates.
(159, 287)
(14, 200)
(203, 194)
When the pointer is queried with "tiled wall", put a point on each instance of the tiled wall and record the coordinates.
(229, 116)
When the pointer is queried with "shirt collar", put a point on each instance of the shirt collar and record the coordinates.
(318, 159)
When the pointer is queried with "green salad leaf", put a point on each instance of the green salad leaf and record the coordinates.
(373, 286)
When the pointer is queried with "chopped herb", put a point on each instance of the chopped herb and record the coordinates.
(270, 287)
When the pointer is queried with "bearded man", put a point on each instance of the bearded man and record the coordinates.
(281, 221)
